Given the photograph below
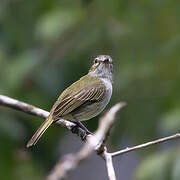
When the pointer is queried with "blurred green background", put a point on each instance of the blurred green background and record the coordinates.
(46, 45)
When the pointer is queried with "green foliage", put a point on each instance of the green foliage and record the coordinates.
(161, 166)
(46, 45)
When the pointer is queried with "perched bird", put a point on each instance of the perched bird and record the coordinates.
(84, 99)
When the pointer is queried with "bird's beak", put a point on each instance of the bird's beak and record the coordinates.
(106, 63)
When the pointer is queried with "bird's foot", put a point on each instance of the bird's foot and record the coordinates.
(75, 129)
(82, 133)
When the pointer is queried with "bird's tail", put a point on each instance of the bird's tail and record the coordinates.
(40, 131)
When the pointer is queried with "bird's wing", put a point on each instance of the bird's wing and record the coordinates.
(74, 100)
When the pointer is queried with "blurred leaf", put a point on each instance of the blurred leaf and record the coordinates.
(20, 66)
(170, 121)
(158, 166)
(53, 24)
(12, 128)
(47, 45)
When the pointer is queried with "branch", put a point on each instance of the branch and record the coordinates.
(95, 142)
(175, 136)
(70, 162)
(109, 165)
(29, 109)
(21, 106)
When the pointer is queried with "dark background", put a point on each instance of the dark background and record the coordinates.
(46, 45)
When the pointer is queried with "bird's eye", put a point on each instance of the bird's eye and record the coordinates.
(95, 61)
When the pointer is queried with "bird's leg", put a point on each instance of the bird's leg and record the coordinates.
(76, 131)
(83, 127)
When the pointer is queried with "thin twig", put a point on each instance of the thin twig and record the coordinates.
(175, 136)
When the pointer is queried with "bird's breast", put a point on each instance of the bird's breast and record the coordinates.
(108, 86)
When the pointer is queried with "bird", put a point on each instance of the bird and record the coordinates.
(82, 100)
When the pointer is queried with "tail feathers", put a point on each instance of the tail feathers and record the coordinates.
(40, 132)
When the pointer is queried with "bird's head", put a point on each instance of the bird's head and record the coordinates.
(102, 66)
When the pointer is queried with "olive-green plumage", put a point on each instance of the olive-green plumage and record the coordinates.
(75, 96)
(84, 99)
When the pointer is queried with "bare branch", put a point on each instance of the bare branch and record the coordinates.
(107, 121)
(29, 109)
(71, 161)
(95, 142)
(109, 165)
(175, 136)
(21, 106)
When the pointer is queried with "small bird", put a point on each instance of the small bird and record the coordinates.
(84, 99)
